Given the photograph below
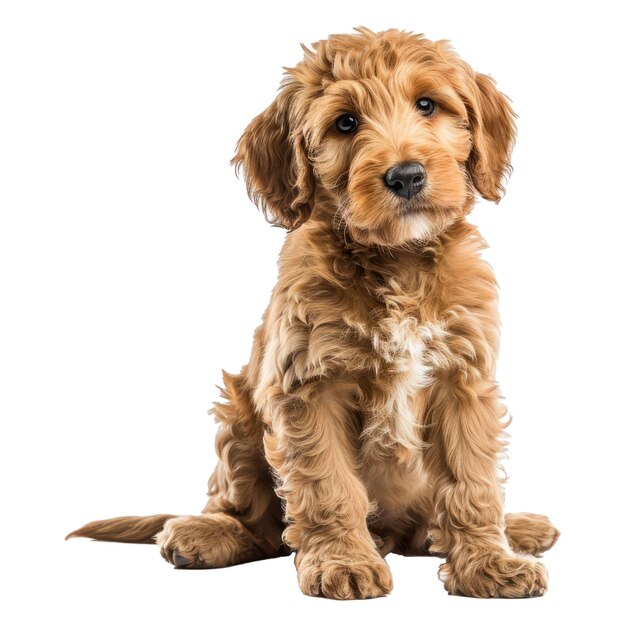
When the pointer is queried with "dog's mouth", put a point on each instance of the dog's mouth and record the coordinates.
(414, 206)
(416, 203)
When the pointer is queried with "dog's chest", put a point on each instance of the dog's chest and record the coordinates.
(399, 346)
(402, 370)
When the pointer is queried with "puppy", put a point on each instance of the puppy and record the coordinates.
(368, 419)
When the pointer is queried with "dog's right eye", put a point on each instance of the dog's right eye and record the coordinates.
(346, 123)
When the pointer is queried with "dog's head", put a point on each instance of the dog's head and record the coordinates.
(398, 129)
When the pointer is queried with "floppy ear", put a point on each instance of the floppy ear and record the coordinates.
(492, 123)
(279, 177)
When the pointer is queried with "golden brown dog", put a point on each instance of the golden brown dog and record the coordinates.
(368, 420)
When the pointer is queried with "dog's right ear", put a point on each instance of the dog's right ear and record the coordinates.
(278, 174)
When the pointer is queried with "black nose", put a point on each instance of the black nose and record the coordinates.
(405, 179)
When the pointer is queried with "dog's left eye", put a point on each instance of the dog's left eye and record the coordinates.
(346, 123)
(425, 106)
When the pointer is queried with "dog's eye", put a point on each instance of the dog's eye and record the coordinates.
(425, 106)
(346, 123)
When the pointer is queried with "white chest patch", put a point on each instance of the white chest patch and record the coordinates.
(403, 348)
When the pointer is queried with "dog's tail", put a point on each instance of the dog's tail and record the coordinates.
(123, 529)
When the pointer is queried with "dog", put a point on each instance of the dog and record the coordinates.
(368, 420)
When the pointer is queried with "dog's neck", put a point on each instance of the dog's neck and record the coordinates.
(381, 273)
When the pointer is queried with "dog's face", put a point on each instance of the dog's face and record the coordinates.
(397, 129)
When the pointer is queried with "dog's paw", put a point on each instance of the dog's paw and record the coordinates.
(343, 577)
(204, 541)
(494, 576)
(530, 533)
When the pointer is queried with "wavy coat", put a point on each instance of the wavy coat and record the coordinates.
(368, 419)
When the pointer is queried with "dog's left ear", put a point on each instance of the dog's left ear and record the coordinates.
(492, 122)
(276, 167)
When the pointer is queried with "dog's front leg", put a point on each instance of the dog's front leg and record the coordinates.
(312, 447)
(464, 430)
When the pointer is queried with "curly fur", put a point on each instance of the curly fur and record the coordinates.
(368, 419)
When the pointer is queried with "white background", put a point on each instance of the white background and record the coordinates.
(133, 268)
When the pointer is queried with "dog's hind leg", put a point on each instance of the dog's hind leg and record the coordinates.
(530, 533)
(242, 520)
(527, 533)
